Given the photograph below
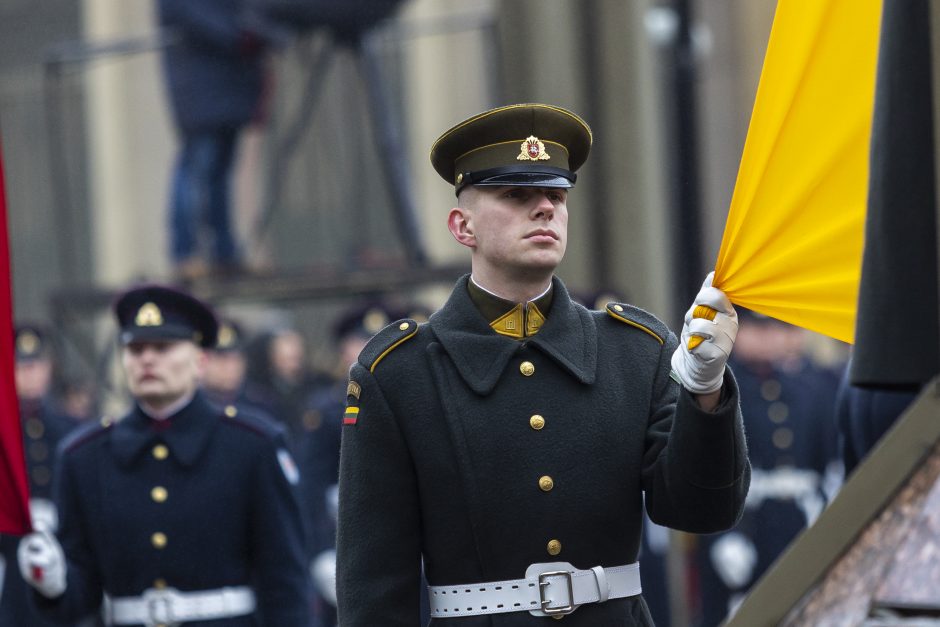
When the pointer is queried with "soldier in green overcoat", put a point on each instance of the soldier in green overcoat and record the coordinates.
(508, 442)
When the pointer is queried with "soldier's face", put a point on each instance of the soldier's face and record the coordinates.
(160, 373)
(516, 230)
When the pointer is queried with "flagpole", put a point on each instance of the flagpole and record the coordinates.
(934, 9)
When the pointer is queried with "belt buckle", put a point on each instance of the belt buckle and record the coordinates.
(159, 605)
(543, 582)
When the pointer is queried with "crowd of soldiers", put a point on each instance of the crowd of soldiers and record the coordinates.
(788, 401)
(264, 372)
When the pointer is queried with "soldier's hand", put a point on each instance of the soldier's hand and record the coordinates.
(42, 563)
(708, 333)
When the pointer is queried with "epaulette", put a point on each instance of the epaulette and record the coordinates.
(385, 341)
(86, 433)
(636, 317)
(252, 422)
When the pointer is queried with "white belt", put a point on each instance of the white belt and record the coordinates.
(168, 606)
(548, 589)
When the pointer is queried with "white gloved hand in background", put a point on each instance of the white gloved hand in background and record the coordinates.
(42, 563)
(708, 333)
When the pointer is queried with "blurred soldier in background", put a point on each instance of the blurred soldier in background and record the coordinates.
(225, 382)
(44, 425)
(789, 420)
(283, 379)
(321, 444)
(178, 513)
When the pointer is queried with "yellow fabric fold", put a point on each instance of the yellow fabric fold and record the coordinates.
(792, 246)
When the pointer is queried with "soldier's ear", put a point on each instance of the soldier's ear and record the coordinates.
(460, 225)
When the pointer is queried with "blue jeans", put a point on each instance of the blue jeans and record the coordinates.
(201, 193)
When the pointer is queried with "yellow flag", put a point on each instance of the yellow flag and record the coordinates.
(792, 246)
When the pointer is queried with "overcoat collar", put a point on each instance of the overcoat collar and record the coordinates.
(569, 337)
(186, 434)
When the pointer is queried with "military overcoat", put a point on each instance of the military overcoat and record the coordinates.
(200, 501)
(485, 454)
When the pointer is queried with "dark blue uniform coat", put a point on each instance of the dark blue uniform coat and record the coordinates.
(230, 516)
(44, 426)
(443, 460)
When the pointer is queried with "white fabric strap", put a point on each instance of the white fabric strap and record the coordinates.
(168, 606)
(548, 589)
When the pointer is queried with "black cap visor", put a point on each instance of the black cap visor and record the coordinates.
(163, 333)
(520, 176)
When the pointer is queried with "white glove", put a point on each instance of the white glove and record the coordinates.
(42, 563)
(323, 571)
(708, 333)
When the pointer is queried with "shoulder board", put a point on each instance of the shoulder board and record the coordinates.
(385, 341)
(255, 423)
(643, 320)
(86, 433)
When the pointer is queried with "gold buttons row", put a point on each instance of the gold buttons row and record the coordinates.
(158, 540)
(527, 368)
(537, 422)
(34, 428)
(160, 451)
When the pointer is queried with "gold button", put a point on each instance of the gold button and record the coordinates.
(558, 616)
(537, 422)
(770, 390)
(554, 547)
(616, 308)
(404, 326)
(527, 368)
(106, 422)
(34, 428)
(231, 411)
(312, 420)
(159, 584)
(783, 438)
(41, 475)
(546, 483)
(160, 451)
(459, 178)
(158, 494)
(38, 451)
(158, 540)
(778, 412)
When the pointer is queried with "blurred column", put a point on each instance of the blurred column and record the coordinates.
(130, 146)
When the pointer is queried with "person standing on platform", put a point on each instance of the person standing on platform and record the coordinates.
(215, 75)
(178, 513)
(508, 442)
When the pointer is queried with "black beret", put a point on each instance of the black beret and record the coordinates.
(158, 313)
(534, 145)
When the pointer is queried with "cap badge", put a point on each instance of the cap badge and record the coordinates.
(226, 336)
(533, 150)
(27, 342)
(149, 316)
(374, 321)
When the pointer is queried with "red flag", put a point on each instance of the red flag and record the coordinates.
(14, 491)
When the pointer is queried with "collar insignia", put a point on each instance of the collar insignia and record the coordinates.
(532, 149)
(149, 316)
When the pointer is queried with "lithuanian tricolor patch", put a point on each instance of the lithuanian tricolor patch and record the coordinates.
(351, 416)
